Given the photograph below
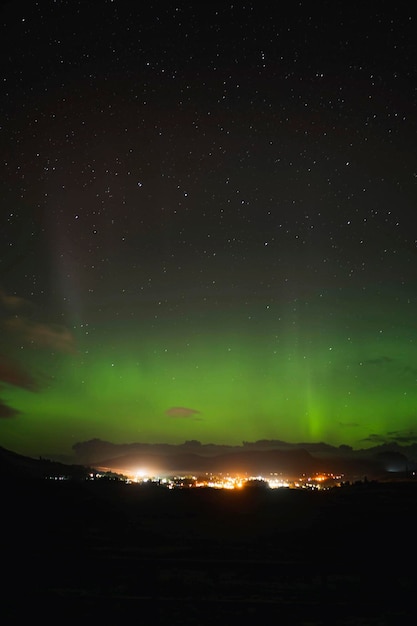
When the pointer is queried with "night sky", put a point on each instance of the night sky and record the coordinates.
(207, 223)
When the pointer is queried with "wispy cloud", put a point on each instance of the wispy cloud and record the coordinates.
(12, 303)
(24, 329)
(41, 335)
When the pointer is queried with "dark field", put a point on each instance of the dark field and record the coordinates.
(106, 552)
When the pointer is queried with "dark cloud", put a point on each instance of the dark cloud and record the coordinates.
(400, 436)
(183, 412)
(393, 436)
(7, 411)
(11, 373)
(381, 360)
(19, 329)
(375, 439)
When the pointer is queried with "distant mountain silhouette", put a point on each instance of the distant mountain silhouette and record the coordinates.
(255, 459)
(97, 451)
(192, 457)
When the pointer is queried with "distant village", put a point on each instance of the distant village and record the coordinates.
(318, 481)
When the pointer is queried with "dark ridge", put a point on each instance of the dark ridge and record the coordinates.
(14, 466)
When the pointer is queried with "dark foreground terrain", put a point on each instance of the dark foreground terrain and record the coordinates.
(108, 552)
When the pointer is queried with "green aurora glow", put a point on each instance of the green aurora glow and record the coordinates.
(321, 372)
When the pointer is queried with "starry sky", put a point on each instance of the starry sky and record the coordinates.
(207, 223)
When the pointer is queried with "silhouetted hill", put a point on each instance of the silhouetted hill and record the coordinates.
(15, 466)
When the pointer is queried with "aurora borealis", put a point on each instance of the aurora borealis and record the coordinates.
(207, 224)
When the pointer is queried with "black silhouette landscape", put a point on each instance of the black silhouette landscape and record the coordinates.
(254, 458)
(106, 550)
